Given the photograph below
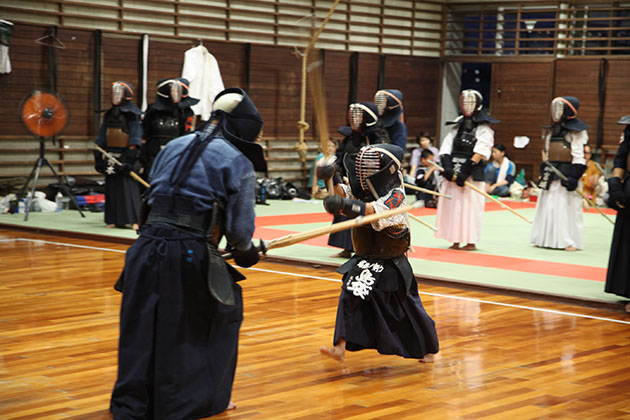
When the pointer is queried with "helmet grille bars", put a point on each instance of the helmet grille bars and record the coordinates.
(367, 163)
(380, 100)
(355, 116)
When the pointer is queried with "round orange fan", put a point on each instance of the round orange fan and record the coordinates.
(43, 114)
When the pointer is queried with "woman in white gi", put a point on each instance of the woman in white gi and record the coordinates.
(558, 219)
(462, 153)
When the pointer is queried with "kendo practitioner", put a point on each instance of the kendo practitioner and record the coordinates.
(187, 115)
(379, 306)
(618, 274)
(390, 110)
(120, 134)
(558, 219)
(365, 128)
(182, 306)
(164, 120)
(464, 148)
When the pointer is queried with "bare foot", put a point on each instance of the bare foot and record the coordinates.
(134, 226)
(334, 352)
(454, 246)
(570, 248)
(231, 406)
(468, 247)
(343, 254)
(627, 307)
(428, 358)
(110, 226)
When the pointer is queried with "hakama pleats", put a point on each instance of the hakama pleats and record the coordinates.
(122, 200)
(618, 274)
(178, 346)
(558, 222)
(460, 218)
(391, 322)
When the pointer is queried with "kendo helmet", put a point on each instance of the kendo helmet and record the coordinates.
(122, 96)
(240, 123)
(170, 89)
(186, 100)
(470, 102)
(389, 105)
(363, 117)
(374, 170)
(564, 111)
(625, 135)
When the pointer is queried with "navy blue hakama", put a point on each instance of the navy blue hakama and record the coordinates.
(391, 319)
(178, 346)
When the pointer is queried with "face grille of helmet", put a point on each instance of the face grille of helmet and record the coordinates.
(118, 92)
(367, 163)
(468, 103)
(380, 99)
(355, 117)
(176, 91)
(557, 109)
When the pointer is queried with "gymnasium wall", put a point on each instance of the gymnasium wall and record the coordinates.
(522, 92)
(274, 85)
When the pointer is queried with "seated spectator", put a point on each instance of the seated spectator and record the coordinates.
(427, 177)
(590, 178)
(499, 173)
(318, 186)
(426, 143)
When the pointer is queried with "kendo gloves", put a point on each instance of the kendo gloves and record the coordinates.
(465, 172)
(447, 163)
(246, 258)
(327, 168)
(573, 178)
(337, 205)
(616, 199)
(100, 164)
(128, 159)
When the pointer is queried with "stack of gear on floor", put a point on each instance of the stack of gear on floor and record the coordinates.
(379, 306)
(120, 134)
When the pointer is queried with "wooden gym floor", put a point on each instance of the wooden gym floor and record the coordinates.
(501, 357)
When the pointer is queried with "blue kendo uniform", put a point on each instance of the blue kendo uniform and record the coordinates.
(398, 134)
(212, 180)
(121, 129)
(390, 107)
(182, 306)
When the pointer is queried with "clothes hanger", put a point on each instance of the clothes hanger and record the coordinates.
(51, 39)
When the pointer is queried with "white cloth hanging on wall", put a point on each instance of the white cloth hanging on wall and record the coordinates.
(5, 62)
(202, 71)
(6, 28)
(145, 70)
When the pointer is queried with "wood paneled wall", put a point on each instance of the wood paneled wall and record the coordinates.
(522, 93)
(416, 78)
(274, 85)
(520, 99)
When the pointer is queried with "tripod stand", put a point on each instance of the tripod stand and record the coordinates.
(41, 160)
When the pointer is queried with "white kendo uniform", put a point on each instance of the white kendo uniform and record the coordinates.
(459, 219)
(558, 220)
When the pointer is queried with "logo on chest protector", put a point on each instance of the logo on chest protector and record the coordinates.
(362, 278)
